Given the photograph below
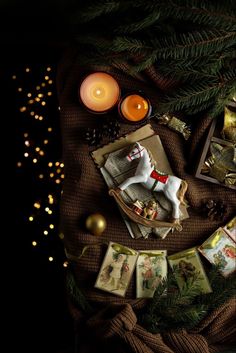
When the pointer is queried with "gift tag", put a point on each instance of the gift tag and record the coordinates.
(188, 268)
(230, 229)
(117, 269)
(220, 250)
(151, 269)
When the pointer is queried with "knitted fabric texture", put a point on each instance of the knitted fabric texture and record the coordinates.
(114, 327)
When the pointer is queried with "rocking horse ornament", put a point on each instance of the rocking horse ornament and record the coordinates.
(146, 173)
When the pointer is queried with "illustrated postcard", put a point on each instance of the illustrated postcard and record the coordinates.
(188, 268)
(151, 269)
(117, 269)
(220, 250)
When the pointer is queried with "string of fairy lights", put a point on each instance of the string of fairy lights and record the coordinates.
(39, 158)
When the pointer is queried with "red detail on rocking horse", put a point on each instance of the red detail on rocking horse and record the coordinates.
(162, 178)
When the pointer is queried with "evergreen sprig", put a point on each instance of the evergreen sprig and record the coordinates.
(172, 308)
(191, 42)
(76, 295)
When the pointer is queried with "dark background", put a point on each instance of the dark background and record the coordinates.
(40, 320)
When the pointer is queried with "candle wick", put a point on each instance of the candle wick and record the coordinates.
(139, 106)
(98, 92)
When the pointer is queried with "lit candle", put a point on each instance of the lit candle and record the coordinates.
(99, 92)
(134, 108)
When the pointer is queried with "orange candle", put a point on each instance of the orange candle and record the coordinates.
(134, 108)
(99, 92)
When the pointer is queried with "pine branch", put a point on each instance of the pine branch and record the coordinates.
(97, 9)
(145, 22)
(193, 44)
(198, 93)
(76, 295)
(202, 15)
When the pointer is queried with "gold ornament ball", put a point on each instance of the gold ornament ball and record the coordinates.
(96, 224)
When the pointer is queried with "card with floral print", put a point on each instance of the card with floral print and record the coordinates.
(188, 269)
(220, 250)
(117, 269)
(151, 269)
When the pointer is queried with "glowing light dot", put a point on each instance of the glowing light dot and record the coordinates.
(37, 149)
(23, 109)
(31, 219)
(19, 89)
(51, 175)
(29, 95)
(34, 243)
(50, 258)
(59, 170)
(41, 117)
(49, 129)
(49, 93)
(41, 153)
(27, 143)
(65, 264)
(58, 181)
(26, 154)
(62, 165)
(37, 88)
(45, 232)
(50, 82)
(31, 101)
(19, 164)
(61, 235)
(40, 95)
(50, 164)
(41, 176)
(49, 211)
(27, 69)
(45, 142)
(36, 117)
(57, 164)
(49, 68)
(37, 99)
(50, 200)
(46, 78)
(46, 209)
(13, 77)
(37, 205)
(32, 113)
(26, 134)
(62, 176)
(35, 160)
(51, 226)
(43, 103)
(43, 84)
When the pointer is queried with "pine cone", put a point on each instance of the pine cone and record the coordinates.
(214, 209)
(93, 136)
(111, 129)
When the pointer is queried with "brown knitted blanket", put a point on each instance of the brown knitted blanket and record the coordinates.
(114, 328)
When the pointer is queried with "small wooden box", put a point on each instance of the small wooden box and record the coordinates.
(214, 135)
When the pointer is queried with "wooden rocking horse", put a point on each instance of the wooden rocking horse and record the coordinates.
(146, 173)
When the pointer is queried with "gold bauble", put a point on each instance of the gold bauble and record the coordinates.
(96, 224)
